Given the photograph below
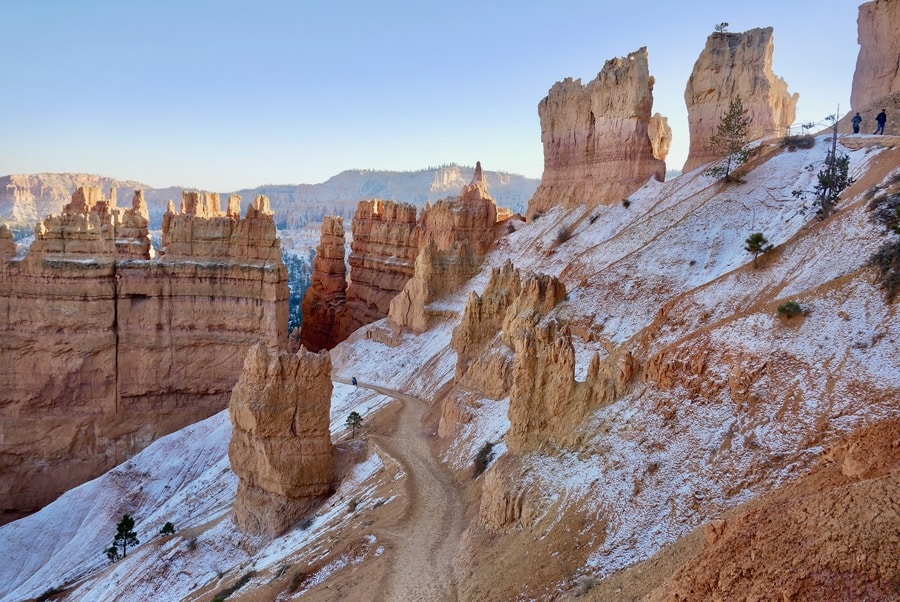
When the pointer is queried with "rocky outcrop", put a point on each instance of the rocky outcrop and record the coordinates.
(482, 320)
(597, 140)
(326, 298)
(281, 443)
(831, 535)
(877, 72)
(7, 243)
(456, 234)
(399, 264)
(386, 241)
(736, 65)
(660, 136)
(105, 349)
(546, 401)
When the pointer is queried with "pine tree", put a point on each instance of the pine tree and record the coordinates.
(354, 421)
(757, 244)
(167, 529)
(125, 534)
(730, 141)
(112, 552)
(833, 179)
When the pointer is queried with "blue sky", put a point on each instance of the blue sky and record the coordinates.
(232, 94)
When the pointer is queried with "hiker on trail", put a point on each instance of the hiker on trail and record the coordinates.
(354, 380)
(881, 120)
(856, 121)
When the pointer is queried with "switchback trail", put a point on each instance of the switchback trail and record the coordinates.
(427, 538)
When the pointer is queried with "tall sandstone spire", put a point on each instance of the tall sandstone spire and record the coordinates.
(597, 143)
(732, 65)
(326, 298)
(876, 81)
(281, 447)
(877, 72)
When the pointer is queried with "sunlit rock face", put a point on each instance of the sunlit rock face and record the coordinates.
(877, 72)
(326, 298)
(456, 233)
(597, 137)
(736, 65)
(386, 241)
(106, 348)
(400, 262)
(281, 444)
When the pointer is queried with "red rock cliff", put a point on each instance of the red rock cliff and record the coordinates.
(326, 298)
(105, 350)
(597, 143)
(732, 65)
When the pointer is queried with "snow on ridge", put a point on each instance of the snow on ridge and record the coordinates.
(65, 540)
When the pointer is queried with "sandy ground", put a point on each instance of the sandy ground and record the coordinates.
(425, 540)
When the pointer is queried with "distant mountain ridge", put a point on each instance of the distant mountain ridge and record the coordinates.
(26, 198)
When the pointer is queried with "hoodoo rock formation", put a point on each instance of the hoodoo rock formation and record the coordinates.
(281, 443)
(105, 349)
(597, 138)
(326, 298)
(736, 65)
(399, 263)
(481, 325)
(877, 72)
(456, 235)
(386, 241)
(876, 81)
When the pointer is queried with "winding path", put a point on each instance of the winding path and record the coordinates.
(426, 539)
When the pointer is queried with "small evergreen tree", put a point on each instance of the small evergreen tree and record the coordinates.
(125, 534)
(730, 141)
(112, 552)
(167, 529)
(757, 244)
(833, 179)
(354, 421)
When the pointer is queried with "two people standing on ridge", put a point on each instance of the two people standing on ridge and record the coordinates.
(881, 119)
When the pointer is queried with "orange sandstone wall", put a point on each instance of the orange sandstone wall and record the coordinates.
(103, 349)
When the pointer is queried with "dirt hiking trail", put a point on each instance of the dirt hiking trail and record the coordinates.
(425, 541)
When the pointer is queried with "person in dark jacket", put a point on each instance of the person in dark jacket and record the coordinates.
(881, 120)
(856, 121)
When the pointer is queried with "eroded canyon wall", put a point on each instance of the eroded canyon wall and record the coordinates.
(105, 349)
(386, 240)
(597, 137)
(399, 262)
(736, 65)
